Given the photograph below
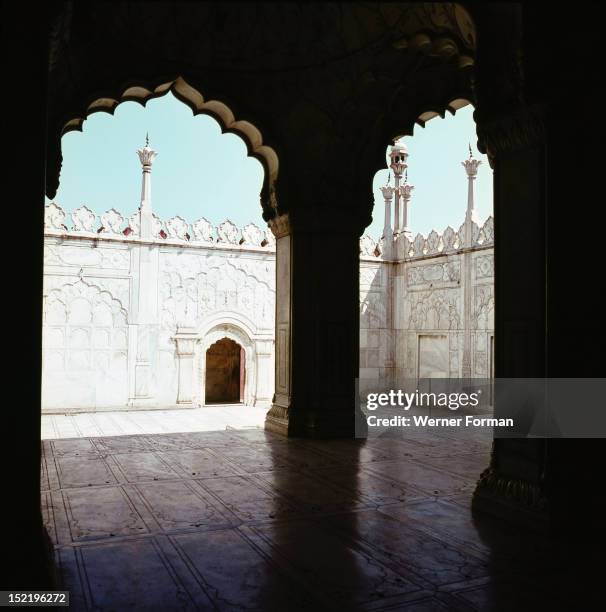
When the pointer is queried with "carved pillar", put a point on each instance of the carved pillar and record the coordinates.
(185, 340)
(317, 324)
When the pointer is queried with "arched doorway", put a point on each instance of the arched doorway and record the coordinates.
(225, 372)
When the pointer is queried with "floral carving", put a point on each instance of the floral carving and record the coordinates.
(177, 228)
(228, 232)
(203, 230)
(84, 219)
(111, 222)
(252, 235)
(54, 217)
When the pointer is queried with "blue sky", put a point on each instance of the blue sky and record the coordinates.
(201, 172)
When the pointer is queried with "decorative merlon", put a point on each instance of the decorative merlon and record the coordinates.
(435, 243)
(178, 231)
(84, 222)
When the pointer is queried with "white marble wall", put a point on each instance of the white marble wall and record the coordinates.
(414, 325)
(127, 322)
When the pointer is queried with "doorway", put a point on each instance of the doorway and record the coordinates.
(225, 373)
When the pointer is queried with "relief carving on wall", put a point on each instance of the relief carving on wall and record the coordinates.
(449, 271)
(485, 266)
(437, 309)
(85, 348)
(483, 317)
(193, 287)
(83, 256)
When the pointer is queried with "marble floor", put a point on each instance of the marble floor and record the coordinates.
(125, 423)
(244, 520)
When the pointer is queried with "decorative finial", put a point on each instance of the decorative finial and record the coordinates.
(388, 178)
(406, 176)
(146, 155)
(470, 153)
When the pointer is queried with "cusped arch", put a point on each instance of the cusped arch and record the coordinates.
(95, 296)
(226, 329)
(192, 98)
(394, 126)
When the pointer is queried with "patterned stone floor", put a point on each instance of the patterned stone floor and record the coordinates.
(243, 520)
(131, 422)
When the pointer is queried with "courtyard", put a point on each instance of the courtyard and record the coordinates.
(243, 519)
(132, 422)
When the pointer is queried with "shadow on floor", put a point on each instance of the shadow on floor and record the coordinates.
(235, 520)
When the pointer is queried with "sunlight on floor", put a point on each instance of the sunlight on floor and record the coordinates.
(126, 423)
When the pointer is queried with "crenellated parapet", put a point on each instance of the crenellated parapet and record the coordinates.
(83, 222)
(112, 224)
(435, 243)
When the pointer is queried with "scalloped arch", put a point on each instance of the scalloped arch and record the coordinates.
(79, 287)
(192, 98)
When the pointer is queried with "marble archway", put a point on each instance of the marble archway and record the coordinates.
(225, 373)
(236, 334)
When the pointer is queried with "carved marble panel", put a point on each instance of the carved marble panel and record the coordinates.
(484, 266)
(434, 309)
(448, 271)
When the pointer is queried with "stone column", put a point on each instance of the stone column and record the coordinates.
(146, 157)
(387, 192)
(145, 307)
(471, 169)
(317, 323)
(185, 341)
(512, 133)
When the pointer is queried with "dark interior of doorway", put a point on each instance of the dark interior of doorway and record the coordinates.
(225, 373)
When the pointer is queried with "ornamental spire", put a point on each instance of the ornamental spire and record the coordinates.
(471, 168)
(146, 157)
